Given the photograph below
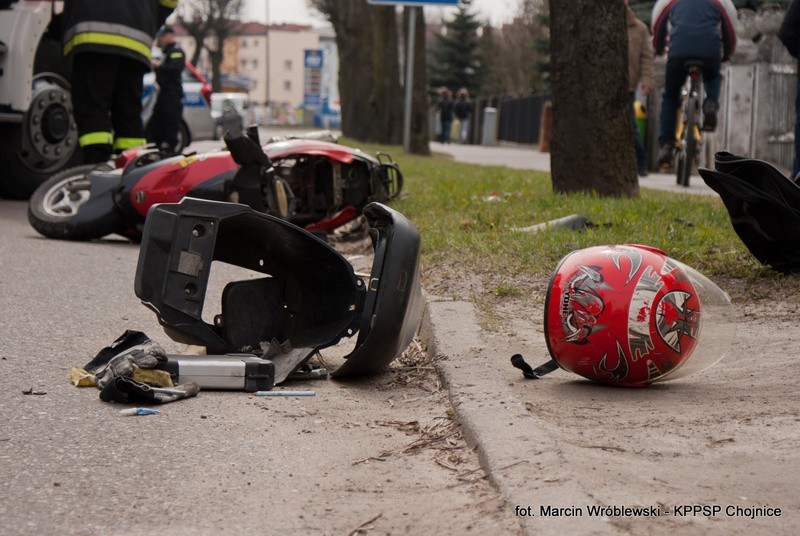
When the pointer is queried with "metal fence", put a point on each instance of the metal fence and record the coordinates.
(520, 119)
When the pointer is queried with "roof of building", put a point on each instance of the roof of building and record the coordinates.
(252, 28)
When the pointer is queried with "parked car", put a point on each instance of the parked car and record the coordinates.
(197, 123)
(230, 111)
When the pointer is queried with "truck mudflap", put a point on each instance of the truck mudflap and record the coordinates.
(308, 297)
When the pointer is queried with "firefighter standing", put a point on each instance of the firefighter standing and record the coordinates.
(109, 44)
(169, 107)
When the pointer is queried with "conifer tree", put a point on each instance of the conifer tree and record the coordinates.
(456, 60)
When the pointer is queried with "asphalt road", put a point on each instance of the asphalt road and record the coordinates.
(221, 463)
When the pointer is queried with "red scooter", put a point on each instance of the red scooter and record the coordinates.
(313, 183)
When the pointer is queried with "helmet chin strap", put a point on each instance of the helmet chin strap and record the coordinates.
(530, 372)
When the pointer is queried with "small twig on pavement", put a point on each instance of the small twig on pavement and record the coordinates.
(371, 458)
(364, 525)
(512, 465)
(607, 448)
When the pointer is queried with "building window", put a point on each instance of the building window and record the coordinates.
(287, 65)
(255, 64)
(287, 85)
(244, 43)
(244, 64)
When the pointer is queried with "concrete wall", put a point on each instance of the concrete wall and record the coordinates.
(252, 63)
(287, 63)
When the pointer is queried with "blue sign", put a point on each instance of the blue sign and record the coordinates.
(415, 2)
(312, 100)
(313, 59)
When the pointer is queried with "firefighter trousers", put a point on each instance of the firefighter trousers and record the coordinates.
(107, 102)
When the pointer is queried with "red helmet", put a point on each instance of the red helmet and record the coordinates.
(630, 315)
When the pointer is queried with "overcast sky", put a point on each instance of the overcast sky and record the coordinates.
(497, 11)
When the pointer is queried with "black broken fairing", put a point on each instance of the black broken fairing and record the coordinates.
(308, 299)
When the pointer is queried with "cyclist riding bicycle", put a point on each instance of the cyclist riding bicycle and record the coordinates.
(691, 30)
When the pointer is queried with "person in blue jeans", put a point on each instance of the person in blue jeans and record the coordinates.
(789, 34)
(446, 109)
(691, 30)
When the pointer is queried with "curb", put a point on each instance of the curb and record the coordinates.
(520, 459)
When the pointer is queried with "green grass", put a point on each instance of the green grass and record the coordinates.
(447, 201)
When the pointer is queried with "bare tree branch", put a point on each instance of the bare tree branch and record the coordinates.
(210, 23)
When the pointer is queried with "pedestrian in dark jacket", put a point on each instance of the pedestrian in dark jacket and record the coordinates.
(446, 108)
(691, 30)
(463, 113)
(109, 45)
(789, 34)
(168, 111)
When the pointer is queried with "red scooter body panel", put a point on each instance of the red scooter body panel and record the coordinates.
(282, 149)
(169, 183)
(172, 181)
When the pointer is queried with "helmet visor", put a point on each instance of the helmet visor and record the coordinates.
(717, 326)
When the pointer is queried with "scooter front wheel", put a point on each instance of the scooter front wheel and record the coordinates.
(54, 207)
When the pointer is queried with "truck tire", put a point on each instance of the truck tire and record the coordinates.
(53, 206)
(49, 139)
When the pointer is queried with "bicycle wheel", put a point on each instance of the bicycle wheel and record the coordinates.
(680, 165)
(691, 155)
(685, 156)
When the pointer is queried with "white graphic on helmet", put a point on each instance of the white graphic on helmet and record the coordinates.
(581, 304)
(669, 266)
(675, 320)
(652, 371)
(616, 374)
(632, 254)
(640, 313)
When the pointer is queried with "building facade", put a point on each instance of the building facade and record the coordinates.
(270, 63)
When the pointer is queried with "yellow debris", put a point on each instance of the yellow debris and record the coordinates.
(154, 377)
(81, 378)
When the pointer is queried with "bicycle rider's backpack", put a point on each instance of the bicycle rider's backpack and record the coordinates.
(764, 207)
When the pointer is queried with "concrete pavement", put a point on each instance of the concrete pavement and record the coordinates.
(512, 444)
(527, 157)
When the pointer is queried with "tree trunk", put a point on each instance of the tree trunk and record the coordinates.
(383, 117)
(215, 57)
(592, 144)
(198, 49)
(420, 129)
(369, 75)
